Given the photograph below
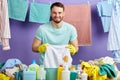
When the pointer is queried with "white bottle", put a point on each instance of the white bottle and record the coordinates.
(84, 76)
(42, 73)
(66, 73)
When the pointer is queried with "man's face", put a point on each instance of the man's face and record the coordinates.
(57, 14)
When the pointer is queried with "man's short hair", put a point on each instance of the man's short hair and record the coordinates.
(58, 4)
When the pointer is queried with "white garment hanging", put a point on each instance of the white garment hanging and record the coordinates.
(113, 37)
(4, 25)
(54, 56)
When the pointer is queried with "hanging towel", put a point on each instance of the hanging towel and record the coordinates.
(4, 25)
(17, 9)
(54, 56)
(39, 13)
(105, 11)
(80, 17)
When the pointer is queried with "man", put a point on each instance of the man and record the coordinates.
(56, 32)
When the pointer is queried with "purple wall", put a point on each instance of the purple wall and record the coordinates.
(22, 34)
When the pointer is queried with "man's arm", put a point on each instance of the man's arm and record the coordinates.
(36, 43)
(75, 44)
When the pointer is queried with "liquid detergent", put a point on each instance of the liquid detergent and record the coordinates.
(29, 75)
(34, 67)
(66, 73)
(42, 73)
(59, 72)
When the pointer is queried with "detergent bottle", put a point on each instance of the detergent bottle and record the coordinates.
(73, 73)
(66, 73)
(34, 67)
(42, 73)
(59, 72)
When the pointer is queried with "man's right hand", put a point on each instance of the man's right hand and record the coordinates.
(42, 48)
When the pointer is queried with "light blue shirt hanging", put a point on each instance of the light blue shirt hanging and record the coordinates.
(17, 9)
(39, 13)
(105, 11)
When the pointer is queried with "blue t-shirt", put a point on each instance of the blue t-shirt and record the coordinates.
(61, 36)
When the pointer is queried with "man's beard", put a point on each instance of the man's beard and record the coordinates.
(56, 21)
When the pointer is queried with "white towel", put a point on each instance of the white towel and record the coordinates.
(54, 56)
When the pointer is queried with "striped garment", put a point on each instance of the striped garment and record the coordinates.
(4, 25)
(113, 37)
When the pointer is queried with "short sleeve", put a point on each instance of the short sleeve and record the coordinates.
(39, 34)
(73, 34)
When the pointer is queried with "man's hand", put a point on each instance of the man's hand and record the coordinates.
(72, 49)
(42, 48)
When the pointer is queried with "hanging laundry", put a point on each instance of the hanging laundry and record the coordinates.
(54, 56)
(17, 9)
(80, 17)
(113, 36)
(105, 11)
(116, 54)
(39, 13)
(4, 25)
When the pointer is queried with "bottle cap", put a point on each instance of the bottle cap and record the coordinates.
(61, 65)
(33, 61)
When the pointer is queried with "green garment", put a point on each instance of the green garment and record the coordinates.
(108, 69)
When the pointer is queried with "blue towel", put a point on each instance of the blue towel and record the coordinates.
(39, 13)
(10, 63)
(17, 9)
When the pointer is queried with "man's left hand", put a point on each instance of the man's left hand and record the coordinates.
(72, 49)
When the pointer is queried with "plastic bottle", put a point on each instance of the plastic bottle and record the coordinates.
(59, 72)
(73, 73)
(84, 76)
(34, 67)
(42, 73)
(66, 73)
(79, 72)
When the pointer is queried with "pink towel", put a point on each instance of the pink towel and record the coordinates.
(80, 17)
